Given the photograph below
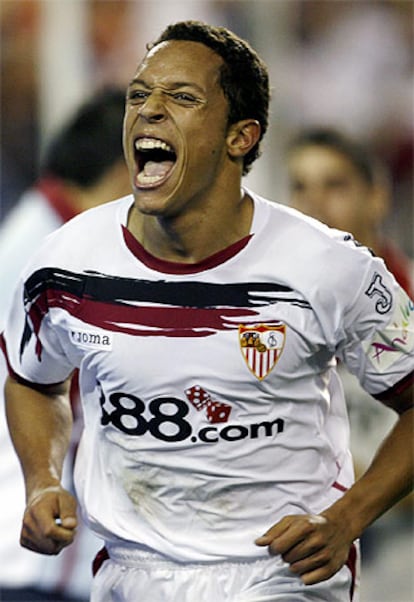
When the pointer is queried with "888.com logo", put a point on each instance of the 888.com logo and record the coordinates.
(167, 418)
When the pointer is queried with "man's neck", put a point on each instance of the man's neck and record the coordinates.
(193, 236)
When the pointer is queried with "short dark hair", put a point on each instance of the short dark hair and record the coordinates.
(243, 77)
(90, 142)
(364, 162)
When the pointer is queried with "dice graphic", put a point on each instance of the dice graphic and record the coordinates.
(198, 397)
(217, 412)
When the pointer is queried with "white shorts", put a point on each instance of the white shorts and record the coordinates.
(128, 576)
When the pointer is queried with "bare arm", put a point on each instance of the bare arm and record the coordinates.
(316, 547)
(40, 423)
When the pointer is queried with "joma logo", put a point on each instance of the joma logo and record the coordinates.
(94, 340)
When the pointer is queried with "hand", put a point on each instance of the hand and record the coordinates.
(314, 546)
(49, 521)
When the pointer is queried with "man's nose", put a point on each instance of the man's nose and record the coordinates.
(154, 109)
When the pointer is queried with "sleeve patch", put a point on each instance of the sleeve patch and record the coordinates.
(396, 339)
(380, 293)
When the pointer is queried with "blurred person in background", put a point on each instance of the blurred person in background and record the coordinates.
(339, 181)
(83, 166)
(19, 139)
(350, 66)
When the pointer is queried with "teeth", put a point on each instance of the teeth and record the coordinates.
(152, 143)
(143, 179)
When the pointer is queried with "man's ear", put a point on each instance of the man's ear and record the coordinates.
(242, 137)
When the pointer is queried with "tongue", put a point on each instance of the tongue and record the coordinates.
(157, 168)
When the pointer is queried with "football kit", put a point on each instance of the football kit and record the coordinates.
(211, 403)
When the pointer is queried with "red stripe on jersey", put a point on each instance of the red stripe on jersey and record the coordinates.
(147, 308)
(263, 365)
(397, 389)
(337, 485)
(165, 321)
(390, 397)
(351, 563)
(99, 559)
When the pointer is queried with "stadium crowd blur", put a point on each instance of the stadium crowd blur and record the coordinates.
(348, 65)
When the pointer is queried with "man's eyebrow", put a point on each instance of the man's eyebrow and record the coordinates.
(137, 81)
(169, 86)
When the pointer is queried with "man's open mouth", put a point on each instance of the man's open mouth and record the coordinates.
(155, 160)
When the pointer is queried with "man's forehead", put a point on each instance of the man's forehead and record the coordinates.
(185, 54)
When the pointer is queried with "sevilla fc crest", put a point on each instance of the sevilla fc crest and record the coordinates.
(261, 346)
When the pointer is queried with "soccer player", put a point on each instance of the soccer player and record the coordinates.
(205, 322)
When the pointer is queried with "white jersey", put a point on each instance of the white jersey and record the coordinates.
(40, 211)
(211, 402)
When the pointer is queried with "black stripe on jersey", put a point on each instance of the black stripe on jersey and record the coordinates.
(114, 289)
(145, 307)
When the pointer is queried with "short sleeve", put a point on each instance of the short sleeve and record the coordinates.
(378, 343)
(30, 338)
